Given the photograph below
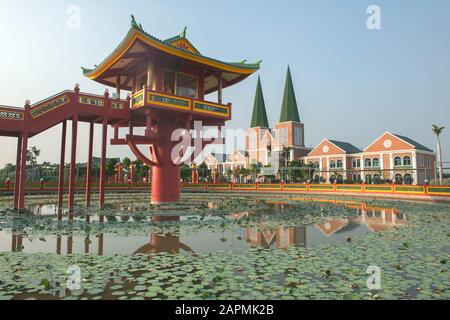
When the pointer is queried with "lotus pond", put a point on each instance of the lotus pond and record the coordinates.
(225, 246)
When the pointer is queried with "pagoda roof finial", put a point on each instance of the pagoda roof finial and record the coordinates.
(183, 34)
(135, 25)
(289, 109)
(259, 116)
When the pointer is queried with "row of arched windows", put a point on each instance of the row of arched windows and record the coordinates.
(336, 164)
(405, 161)
(368, 162)
(405, 179)
(375, 162)
(356, 163)
(314, 164)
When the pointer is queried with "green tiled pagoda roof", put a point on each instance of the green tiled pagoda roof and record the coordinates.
(259, 115)
(289, 110)
(139, 28)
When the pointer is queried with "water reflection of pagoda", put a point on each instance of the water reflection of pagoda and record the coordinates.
(167, 243)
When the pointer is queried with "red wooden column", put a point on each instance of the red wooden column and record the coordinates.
(62, 160)
(89, 165)
(73, 155)
(73, 159)
(103, 160)
(23, 171)
(17, 176)
(23, 160)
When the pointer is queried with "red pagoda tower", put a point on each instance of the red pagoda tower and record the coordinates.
(168, 80)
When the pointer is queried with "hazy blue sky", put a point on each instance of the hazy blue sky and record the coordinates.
(352, 84)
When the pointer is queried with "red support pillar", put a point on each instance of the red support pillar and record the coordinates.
(89, 165)
(166, 175)
(62, 164)
(73, 159)
(17, 175)
(103, 160)
(23, 171)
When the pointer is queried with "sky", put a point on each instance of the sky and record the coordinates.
(352, 83)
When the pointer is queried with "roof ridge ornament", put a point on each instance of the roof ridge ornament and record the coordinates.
(183, 33)
(135, 25)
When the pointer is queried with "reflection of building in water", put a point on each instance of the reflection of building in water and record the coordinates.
(331, 226)
(281, 237)
(376, 219)
(158, 243)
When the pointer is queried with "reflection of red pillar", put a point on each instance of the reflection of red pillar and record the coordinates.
(70, 244)
(17, 175)
(89, 165)
(73, 159)
(23, 172)
(58, 245)
(100, 244)
(61, 164)
(165, 175)
(86, 244)
(14, 242)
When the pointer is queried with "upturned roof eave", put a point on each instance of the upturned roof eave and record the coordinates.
(136, 33)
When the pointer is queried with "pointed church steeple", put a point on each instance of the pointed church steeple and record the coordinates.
(289, 110)
(259, 116)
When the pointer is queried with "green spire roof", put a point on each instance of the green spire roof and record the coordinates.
(289, 110)
(259, 116)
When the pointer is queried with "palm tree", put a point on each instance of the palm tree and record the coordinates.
(247, 158)
(437, 131)
(32, 155)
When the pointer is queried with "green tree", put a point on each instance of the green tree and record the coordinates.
(126, 164)
(110, 167)
(203, 171)
(186, 174)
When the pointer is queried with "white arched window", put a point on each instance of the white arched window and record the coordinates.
(332, 164)
(407, 161)
(317, 164)
(354, 163)
(339, 163)
(358, 163)
(398, 178)
(368, 163)
(368, 178)
(397, 161)
(376, 162)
